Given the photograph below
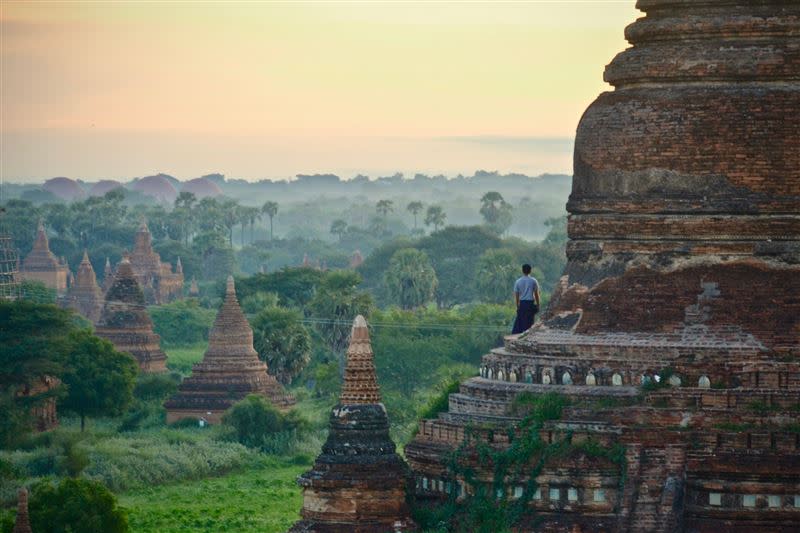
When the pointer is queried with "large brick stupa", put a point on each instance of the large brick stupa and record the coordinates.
(125, 322)
(85, 295)
(675, 331)
(230, 370)
(358, 483)
(42, 265)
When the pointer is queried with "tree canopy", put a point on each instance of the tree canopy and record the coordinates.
(282, 342)
(75, 506)
(410, 278)
(99, 379)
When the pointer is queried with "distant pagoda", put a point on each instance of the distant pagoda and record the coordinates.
(125, 322)
(85, 296)
(42, 265)
(358, 483)
(22, 523)
(159, 283)
(108, 276)
(229, 371)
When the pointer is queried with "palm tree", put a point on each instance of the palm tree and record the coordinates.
(384, 207)
(270, 209)
(254, 214)
(230, 217)
(435, 216)
(338, 228)
(414, 208)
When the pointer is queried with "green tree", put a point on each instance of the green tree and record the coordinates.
(254, 421)
(230, 216)
(336, 303)
(410, 278)
(270, 209)
(384, 207)
(435, 216)
(414, 208)
(495, 274)
(490, 206)
(295, 287)
(99, 379)
(339, 228)
(453, 252)
(253, 216)
(75, 506)
(496, 212)
(32, 343)
(282, 342)
(216, 256)
(182, 322)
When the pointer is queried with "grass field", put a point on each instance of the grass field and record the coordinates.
(181, 359)
(263, 498)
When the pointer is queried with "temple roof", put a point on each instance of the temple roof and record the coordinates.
(40, 256)
(360, 382)
(231, 334)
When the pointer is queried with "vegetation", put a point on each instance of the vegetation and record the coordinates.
(436, 296)
(76, 506)
(410, 278)
(181, 322)
(282, 341)
(256, 423)
(239, 502)
(99, 379)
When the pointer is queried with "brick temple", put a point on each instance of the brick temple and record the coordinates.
(358, 484)
(125, 322)
(42, 265)
(159, 283)
(22, 522)
(230, 370)
(675, 331)
(85, 295)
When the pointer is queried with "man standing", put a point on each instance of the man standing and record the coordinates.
(526, 295)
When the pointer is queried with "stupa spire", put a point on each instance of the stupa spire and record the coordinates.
(42, 265)
(125, 322)
(360, 382)
(358, 483)
(229, 371)
(84, 294)
(22, 524)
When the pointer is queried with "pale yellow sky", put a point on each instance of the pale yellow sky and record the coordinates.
(271, 89)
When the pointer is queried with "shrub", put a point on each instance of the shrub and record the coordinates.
(76, 506)
(256, 423)
(440, 403)
(182, 322)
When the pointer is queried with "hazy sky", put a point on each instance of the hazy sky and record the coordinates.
(271, 89)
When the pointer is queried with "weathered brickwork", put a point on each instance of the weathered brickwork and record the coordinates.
(358, 483)
(85, 295)
(159, 283)
(41, 265)
(125, 322)
(229, 371)
(675, 330)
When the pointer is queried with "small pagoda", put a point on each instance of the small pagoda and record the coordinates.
(159, 283)
(229, 371)
(358, 483)
(85, 295)
(42, 265)
(22, 523)
(125, 322)
(108, 276)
